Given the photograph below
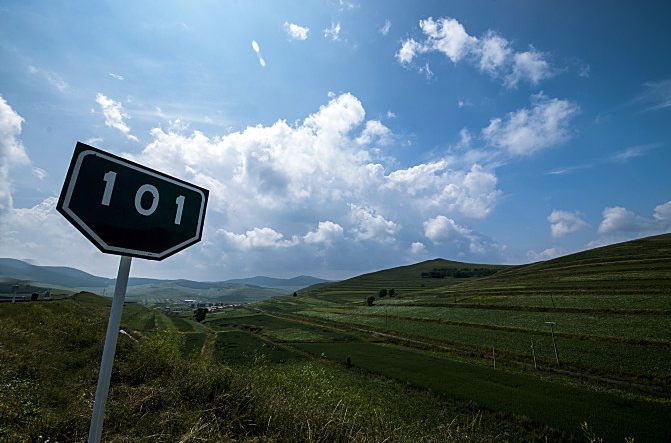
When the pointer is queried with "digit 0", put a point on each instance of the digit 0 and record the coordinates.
(138, 199)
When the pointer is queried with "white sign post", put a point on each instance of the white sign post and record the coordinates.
(130, 210)
(95, 431)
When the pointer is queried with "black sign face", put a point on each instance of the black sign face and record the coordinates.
(127, 209)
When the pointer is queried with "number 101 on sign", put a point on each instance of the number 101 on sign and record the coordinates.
(128, 209)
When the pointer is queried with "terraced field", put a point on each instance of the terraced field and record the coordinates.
(606, 311)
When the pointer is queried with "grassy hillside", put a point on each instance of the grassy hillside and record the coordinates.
(610, 312)
(404, 280)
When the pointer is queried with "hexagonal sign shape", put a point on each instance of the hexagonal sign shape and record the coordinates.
(125, 208)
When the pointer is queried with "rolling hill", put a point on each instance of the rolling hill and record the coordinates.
(229, 291)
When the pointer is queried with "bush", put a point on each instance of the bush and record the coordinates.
(370, 300)
(199, 314)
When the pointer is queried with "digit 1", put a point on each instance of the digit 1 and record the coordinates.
(180, 208)
(109, 179)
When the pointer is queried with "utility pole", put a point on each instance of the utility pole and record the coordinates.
(14, 291)
(554, 344)
(494, 356)
(533, 352)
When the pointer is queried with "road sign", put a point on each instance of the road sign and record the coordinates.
(128, 209)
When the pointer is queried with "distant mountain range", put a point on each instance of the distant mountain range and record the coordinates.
(233, 291)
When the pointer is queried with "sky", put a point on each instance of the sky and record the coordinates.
(341, 137)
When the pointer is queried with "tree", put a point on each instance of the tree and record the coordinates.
(392, 292)
(199, 314)
(33, 296)
(295, 295)
(370, 300)
(382, 293)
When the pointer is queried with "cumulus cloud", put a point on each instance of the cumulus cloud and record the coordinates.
(370, 225)
(309, 195)
(296, 32)
(409, 50)
(417, 248)
(565, 222)
(114, 115)
(258, 238)
(333, 32)
(116, 76)
(327, 233)
(526, 131)
(491, 53)
(12, 151)
(459, 239)
(619, 221)
(621, 224)
(384, 30)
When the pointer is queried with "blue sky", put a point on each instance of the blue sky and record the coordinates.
(340, 137)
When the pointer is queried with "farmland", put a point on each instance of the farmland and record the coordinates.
(449, 359)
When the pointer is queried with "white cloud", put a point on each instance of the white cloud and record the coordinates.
(269, 182)
(114, 115)
(116, 76)
(448, 36)
(370, 225)
(530, 66)
(526, 131)
(333, 32)
(296, 32)
(491, 53)
(327, 233)
(51, 77)
(12, 152)
(257, 51)
(545, 254)
(471, 193)
(656, 95)
(259, 238)
(375, 132)
(417, 248)
(564, 222)
(41, 233)
(662, 212)
(93, 141)
(384, 30)
(442, 230)
(495, 52)
(633, 151)
(409, 49)
(620, 224)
